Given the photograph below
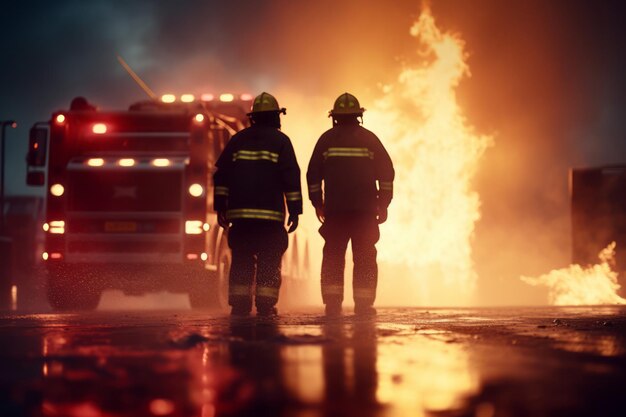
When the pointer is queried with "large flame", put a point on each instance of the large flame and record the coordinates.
(436, 154)
(575, 285)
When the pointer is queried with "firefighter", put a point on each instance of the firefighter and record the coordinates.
(350, 179)
(256, 174)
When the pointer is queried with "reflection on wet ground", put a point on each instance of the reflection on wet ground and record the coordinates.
(405, 362)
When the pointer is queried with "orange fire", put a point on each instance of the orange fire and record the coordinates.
(436, 153)
(575, 285)
(425, 252)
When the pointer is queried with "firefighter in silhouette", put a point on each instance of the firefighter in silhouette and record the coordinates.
(350, 179)
(256, 174)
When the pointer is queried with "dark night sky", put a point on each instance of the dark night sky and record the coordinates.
(548, 77)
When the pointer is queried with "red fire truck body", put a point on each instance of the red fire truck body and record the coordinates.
(129, 200)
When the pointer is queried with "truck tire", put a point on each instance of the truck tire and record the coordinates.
(70, 293)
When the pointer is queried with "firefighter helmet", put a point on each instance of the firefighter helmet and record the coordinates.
(266, 102)
(346, 104)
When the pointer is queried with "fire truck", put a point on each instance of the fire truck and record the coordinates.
(598, 215)
(129, 199)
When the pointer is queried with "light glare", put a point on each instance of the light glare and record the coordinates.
(193, 227)
(168, 98)
(126, 162)
(187, 98)
(57, 190)
(161, 162)
(227, 97)
(196, 190)
(99, 128)
(95, 162)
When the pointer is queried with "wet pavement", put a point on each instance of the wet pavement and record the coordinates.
(404, 362)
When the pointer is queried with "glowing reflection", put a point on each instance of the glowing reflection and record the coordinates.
(418, 373)
(14, 297)
(302, 372)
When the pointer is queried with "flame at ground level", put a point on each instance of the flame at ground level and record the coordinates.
(436, 154)
(575, 285)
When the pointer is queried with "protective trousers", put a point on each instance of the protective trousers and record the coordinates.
(257, 249)
(337, 231)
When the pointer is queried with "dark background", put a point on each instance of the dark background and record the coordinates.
(548, 81)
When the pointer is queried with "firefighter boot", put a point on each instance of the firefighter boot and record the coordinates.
(333, 309)
(364, 310)
(240, 310)
(266, 311)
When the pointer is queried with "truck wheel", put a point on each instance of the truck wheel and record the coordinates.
(65, 293)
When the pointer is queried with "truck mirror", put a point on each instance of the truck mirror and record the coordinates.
(35, 178)
(37, 147)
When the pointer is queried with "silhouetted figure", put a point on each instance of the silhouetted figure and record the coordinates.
(256, 173)
(347, 162)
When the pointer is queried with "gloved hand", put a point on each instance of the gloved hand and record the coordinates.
(292, 222)
(221, 219)
(319, 212)
(382, 215)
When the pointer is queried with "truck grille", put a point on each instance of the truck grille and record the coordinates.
(124, 191)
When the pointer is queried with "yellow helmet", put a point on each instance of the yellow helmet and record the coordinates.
(346, 104)
(266, 102)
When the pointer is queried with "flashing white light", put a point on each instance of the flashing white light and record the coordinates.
(95, 162)
(57, 227)
(226, 97)
(161, 162)
(57, 190)
(187, 98)
(126, 162)
(193, 227)
(196, 190)
(45, 227)
(99, 128)
(60, 119)
(168, 98)
(204, 256)
(246, 97)
(207, 97)
(206, 227)
(45, 256)
(199, 118)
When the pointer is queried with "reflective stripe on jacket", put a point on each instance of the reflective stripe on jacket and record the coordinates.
(257, 174)
(350, 171)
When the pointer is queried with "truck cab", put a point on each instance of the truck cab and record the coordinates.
(129, 199)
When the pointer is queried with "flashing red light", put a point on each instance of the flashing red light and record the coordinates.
(192, 256)
(207, 97)
(246, 97)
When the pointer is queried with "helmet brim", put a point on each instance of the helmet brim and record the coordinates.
(354, 113)
(282, 110)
